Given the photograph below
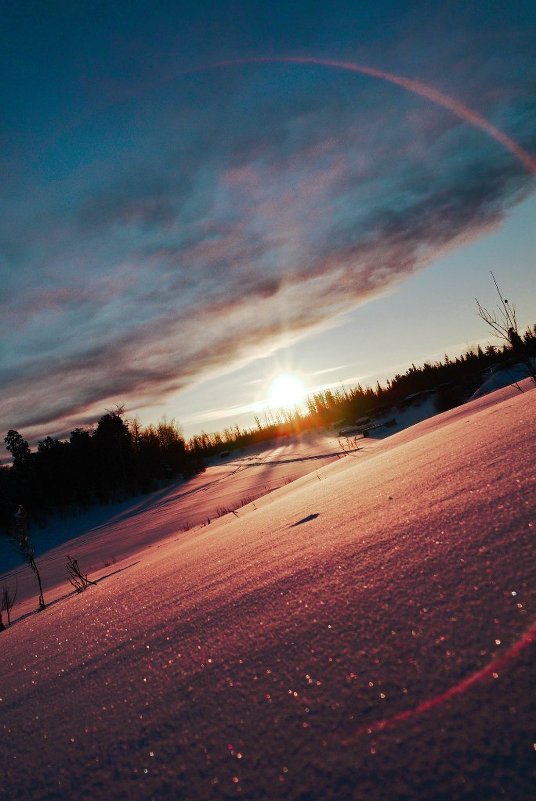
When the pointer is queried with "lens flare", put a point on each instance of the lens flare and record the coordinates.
(457, 108)
(489, 672)
(460, 110)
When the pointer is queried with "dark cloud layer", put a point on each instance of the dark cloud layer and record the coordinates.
(183, 227)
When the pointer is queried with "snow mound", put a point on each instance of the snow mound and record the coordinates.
(502, 377)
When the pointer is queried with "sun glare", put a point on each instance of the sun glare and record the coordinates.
(286, 391)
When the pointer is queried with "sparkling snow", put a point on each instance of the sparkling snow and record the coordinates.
(364, 632)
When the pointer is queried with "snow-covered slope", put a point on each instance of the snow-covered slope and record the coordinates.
(366, 632)
(106, 536)
(502, 377)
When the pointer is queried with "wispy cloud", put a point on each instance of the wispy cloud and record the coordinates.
(326, 370)
(230, 221)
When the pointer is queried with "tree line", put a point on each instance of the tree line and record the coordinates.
(118, 459)
(112, 462)
(452, 381)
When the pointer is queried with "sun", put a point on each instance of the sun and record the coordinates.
(285, 391)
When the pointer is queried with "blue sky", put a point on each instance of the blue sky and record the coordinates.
(174, 232)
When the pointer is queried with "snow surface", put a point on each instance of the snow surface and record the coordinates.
(106, 535)
(364, 632)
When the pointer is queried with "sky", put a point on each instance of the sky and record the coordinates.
(198, 196)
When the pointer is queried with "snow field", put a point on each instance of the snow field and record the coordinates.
(257, 657)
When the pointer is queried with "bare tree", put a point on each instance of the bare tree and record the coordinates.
(7, 602)
(503, 321)
(26, 548)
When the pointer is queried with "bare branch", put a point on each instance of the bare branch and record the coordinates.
(78, 579)
(503, 322)
(7, 602)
